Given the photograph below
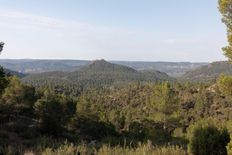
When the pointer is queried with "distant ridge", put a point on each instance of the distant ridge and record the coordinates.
(14, 73)
(208, 72)
(31, 66)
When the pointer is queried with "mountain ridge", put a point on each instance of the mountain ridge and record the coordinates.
(31, 66)
(208, 72)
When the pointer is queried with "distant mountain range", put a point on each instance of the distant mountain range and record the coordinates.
(174, 69)
(96, 73)
(103, 72)
(28, 66)
(208, 72)
(40, 66)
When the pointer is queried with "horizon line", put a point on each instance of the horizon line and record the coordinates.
(112, 60)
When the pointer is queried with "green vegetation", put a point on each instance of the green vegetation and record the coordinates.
(96, 74)
(116, 119)
(207, 138)
(224, 83)
(105, 108)
(71, 149)
(225, 9)
(147, 149)
(106, 73)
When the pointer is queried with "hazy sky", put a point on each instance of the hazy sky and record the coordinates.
(151, 30)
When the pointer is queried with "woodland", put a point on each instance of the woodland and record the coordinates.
(106, 108)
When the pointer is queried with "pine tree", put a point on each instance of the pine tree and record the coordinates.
(225, 7)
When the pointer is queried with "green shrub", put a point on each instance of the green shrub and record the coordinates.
(90, 128)
(207, 139)
(53, 112)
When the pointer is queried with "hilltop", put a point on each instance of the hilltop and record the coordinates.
(102, 66)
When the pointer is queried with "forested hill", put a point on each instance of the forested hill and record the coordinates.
(96, 73)
(208, 72)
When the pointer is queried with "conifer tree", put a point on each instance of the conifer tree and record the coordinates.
(225, 7)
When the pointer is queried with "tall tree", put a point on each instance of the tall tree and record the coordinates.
(165, 101)
(224, 84)
(225, 7)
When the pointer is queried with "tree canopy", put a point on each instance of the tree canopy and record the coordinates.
(225, 7)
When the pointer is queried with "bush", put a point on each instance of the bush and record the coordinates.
(53, 112)
(147, 130)
(89, 128)
(208, 139)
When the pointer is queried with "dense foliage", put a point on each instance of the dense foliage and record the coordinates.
(225, 9)
(126, 115)
(97, 74)
(207, 138)
(111, 109)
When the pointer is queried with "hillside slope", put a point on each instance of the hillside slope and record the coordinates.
(208, 72)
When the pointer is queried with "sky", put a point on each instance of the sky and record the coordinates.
(133, 30)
